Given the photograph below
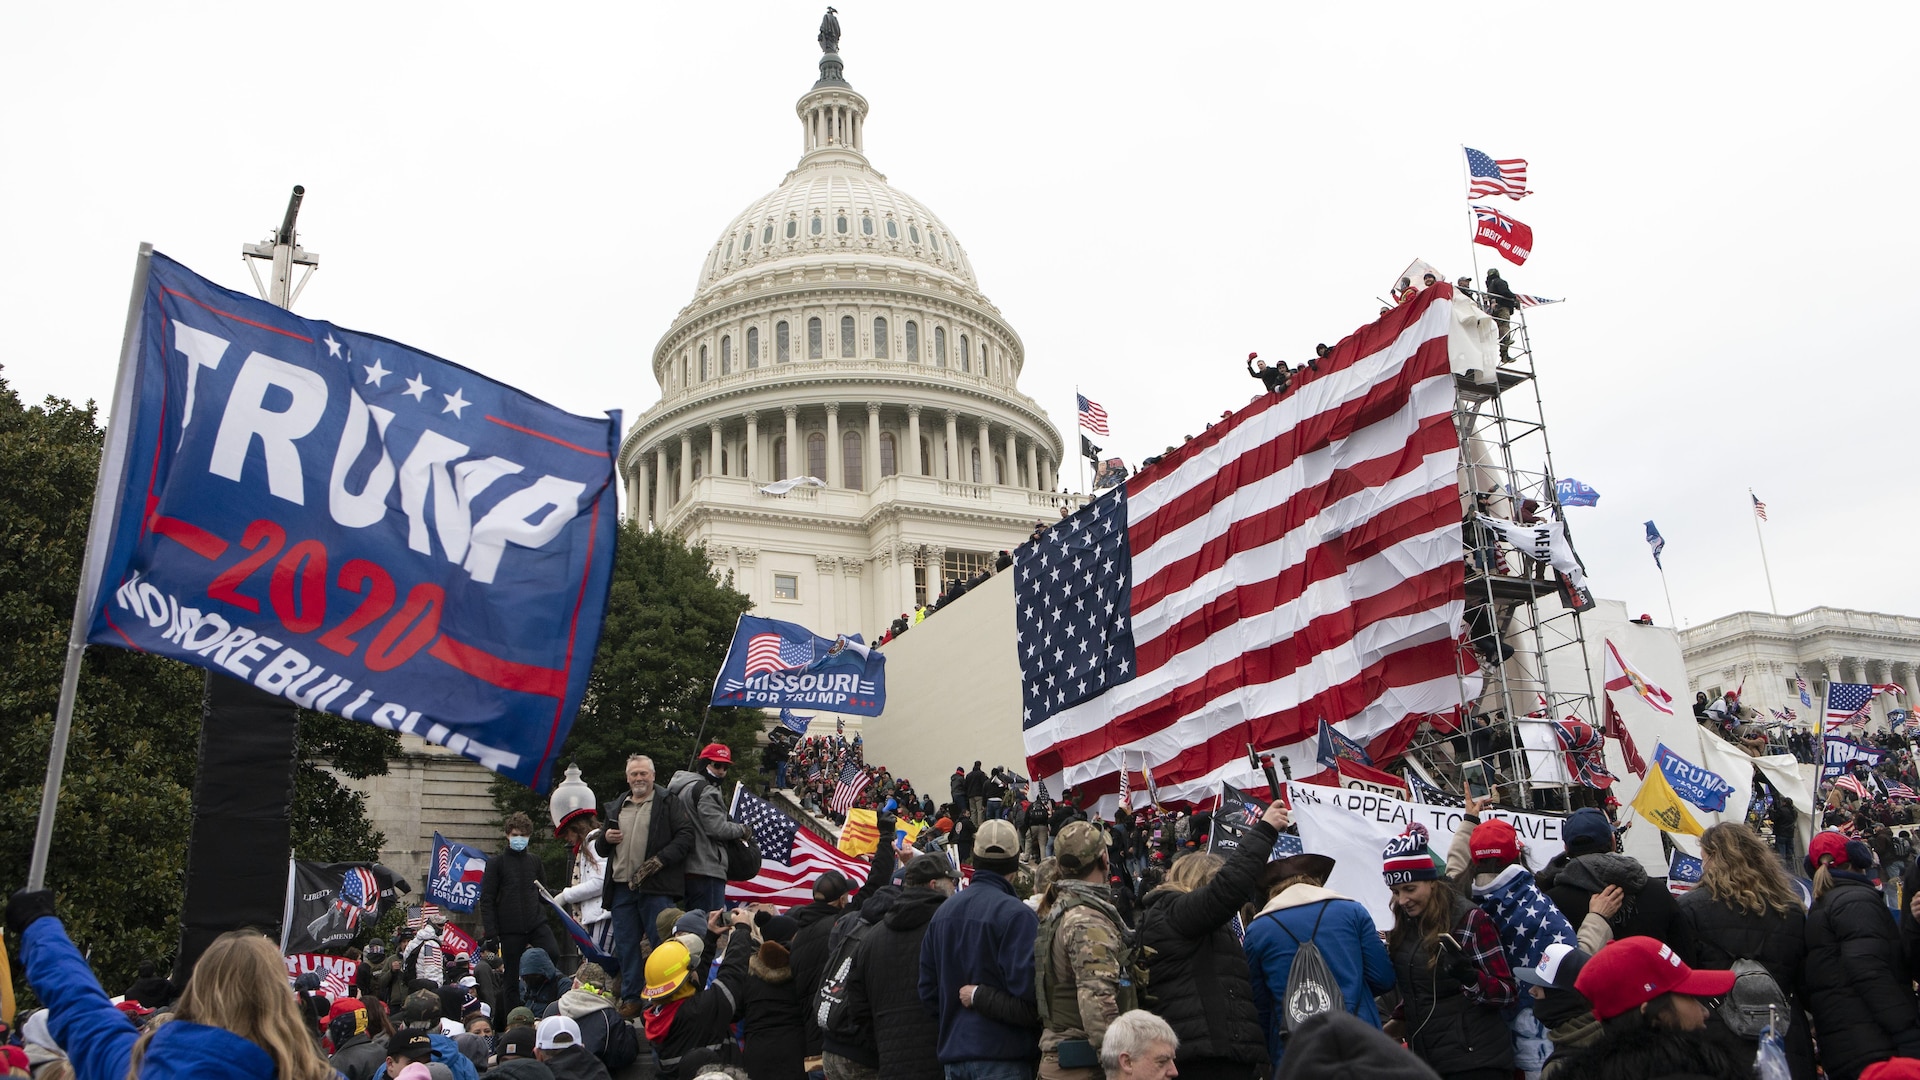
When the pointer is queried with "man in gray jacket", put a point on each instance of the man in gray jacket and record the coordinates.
(699, 792)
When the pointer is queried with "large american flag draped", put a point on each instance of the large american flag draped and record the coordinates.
(1299, 559)
(1487, 176)
(790, 857)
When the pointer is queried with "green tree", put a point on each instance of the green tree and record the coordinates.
(120, 838)
(669, 622)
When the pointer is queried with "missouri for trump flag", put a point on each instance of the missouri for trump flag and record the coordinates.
(1299, 559)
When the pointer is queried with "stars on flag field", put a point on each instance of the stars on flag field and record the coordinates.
(417, 387)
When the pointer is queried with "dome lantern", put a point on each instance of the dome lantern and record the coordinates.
(571, 797)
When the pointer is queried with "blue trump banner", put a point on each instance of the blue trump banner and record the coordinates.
(1842, 753)
(1704, 788)
(1570, 492)
(777, 664)
(1683, 872)
(354, 525)
(458, 870)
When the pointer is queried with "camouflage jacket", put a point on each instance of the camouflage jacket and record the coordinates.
(1081, 965)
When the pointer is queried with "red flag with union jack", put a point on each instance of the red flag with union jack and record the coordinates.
(1507, 235)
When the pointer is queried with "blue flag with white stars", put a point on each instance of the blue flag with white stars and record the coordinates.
(1072, 594)
(353, 525)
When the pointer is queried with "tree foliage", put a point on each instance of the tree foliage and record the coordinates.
(669, 622)
(119, 850)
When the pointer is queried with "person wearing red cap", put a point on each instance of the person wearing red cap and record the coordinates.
(1858, 986)
(1651, 1015)
(699, 791)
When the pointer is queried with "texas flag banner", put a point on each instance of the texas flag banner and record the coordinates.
(1504, 234)
(774, 664)
(457, 873)
(352, 524)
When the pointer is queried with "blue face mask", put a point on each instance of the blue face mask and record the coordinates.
(517, 843)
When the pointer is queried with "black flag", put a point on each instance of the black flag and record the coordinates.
(1088, 450)
(331, 903)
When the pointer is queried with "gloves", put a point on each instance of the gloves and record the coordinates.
(647, 869)
(885, 824)
(26, 907)
(1459, 966)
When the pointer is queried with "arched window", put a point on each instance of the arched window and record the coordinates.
(703, 363)
(939, 347)
(926, 456)
(999, 469)
(893, 229)
(753, 346)
(932, 240)
(683, 370)
(780, 457)
(913, 341)
(983, 358)
(847, 336)
(866, 225)
(913, 233)
(840, 224)
(766, 235)
(966, 354)
(726, 354)
(815, 228)
(724, 471)
(976, 464)
(783, 349)
(729, 253)
(852, 462)
(698, 467)
(889, 457)
(814, 348)
(817, 454)
(793, 228)
(880, 338)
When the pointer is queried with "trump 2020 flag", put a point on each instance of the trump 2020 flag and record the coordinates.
(1570, 492)
(354, 525)
(328, 904)
(457, 873)
(776, 664)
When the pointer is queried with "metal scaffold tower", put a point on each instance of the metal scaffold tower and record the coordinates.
(1528, 663)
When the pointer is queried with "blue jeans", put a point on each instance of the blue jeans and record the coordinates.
(634, 914)
(780, 775)
(989, 1070)
(709, 894)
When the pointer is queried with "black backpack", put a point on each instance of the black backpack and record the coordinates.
(1311, 987)
(829, 1011)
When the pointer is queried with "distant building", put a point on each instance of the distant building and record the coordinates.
(1766, 652)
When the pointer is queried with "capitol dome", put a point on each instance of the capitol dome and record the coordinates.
(840, 421)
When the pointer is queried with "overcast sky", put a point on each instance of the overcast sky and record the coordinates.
(1724, 195)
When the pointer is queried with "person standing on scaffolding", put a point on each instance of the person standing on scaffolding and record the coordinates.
(1501, 304)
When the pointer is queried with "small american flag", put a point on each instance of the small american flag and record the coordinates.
(1287, 844)
(1759, 508)
(771, 652)
(1092, 416)
(1800, 683)
(1537, 301)
(334, 984)
(1506, 176)
(1853, 784)
(1898, 790)
(853, 781)
(791, 857)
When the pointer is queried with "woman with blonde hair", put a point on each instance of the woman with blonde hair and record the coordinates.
(236, 1019)
(1745, 908)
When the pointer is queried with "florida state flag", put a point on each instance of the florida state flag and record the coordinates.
(1512, 239)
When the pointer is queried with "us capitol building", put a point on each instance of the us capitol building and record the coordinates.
(838, 341)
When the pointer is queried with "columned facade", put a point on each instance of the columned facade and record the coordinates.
(1766, 653)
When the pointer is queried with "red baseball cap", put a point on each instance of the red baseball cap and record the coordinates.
(1495, 839)
(717, 752)
(1633, 971)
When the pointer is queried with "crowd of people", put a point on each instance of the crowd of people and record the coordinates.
(954, 588)
(1010, 934)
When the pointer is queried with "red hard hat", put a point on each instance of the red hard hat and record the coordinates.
(717, 752)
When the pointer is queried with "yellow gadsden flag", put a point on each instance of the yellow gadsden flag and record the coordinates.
(1658, 804)
(861, 834)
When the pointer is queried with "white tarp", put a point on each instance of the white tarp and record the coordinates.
(1352, 828)
(781, 487)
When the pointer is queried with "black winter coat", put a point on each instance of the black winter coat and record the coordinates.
(1858, 987)
(1714, 934)
(976, 784)
(705, 1018)
(1444, 1028)
(359, 1057)
(770, 1013)
(669, 839)
(811, 945)
(1197, 972)
(509, 896)
(1648, 911)
(883, 990)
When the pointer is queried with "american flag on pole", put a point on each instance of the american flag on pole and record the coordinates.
(1488, 176)
(1538, 301)
(1300, 558)
(771, 652)
(1897, 790)
(791, 858)
(1892, 689)
(1759, 508)
(853, 780)
(1847, 704)
(1800, 681)
(1849, 782)
(1092, 416)
(334, 984)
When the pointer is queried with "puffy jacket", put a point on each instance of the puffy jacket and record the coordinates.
(510, 900)
(1346, 939)
(1444, 1027)
(359, 1057)
(813, 944)
(98, 1037)
(535, 961)
(1197, 972)
(1648, 910)
(445, 1052)
(982, 937)
(1714, 934)
(669, 839)
(590, 884)
(770, 1009)
(849, 1039)
(700, 796)
(1857, 984)
(883, 989)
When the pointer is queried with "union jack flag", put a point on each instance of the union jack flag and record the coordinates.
(1490, 176)
(771, 652)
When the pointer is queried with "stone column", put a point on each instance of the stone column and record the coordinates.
(659, 486)
(642, 500)
(953, 443)
(1033, 466)
(1012, 479)
(936, 571)
(986, 451)
(713, 449)
(913, 440)
(833, 478)
(870, 453)
(1046, 472)
(686, 463)
(753, 445)
(793, 441)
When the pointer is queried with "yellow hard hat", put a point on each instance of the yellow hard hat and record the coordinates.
(666, 970)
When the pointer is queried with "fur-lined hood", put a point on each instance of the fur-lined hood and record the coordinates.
(771, 964)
